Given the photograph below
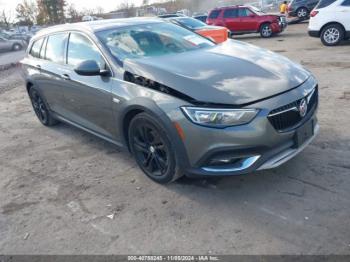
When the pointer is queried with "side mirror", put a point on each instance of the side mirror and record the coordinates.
(90, 68)
(251, 15)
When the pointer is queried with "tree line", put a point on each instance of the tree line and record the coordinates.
(44, 12)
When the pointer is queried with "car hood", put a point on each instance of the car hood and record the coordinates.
(233, 73)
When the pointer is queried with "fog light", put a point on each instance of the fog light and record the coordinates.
(223, 161)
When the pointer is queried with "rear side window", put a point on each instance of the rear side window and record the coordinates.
(35, 51)
(214, 14)
(324, 3)
(231, 13)
(55, 47)
(346, 3)
(81, 48)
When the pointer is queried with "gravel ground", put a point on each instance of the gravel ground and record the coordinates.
(58, 185)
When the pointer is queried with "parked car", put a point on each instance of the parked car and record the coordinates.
(202, 18)
(217, 34)
(180, 103)
(301, 8)
(171, 15)
(11, 44)
(247, 19)
(25, 37)
(330, 21)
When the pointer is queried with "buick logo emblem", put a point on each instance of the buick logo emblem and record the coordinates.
(303, 107)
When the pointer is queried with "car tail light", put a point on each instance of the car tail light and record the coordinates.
(313, 13)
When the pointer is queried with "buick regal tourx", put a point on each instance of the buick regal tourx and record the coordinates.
(180, 103)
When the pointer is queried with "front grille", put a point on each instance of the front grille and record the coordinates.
(287, 117)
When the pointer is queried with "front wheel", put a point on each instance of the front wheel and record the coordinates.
(152, 149)
(332, 35)
(266, 31)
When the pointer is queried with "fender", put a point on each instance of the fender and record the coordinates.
(150, 107)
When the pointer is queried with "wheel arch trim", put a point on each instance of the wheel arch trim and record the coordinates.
(148, 106)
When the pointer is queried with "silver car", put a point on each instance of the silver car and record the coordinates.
(178, 102)
(11, 44)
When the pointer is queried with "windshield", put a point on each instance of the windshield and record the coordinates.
(190, 22)
(256, 10)
(154, 39)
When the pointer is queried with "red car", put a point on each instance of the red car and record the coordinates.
(247, 19)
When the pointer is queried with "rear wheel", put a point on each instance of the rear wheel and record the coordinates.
(41, 109)
(332, 35)
(152, 149)
(16, 47)
(302, 13)
(266, 30)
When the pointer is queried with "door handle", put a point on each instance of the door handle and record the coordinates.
(38, 67)
(65, 76)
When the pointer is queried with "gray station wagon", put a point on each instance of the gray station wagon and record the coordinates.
(178, 102)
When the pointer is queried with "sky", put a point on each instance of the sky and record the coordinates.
(107, 5)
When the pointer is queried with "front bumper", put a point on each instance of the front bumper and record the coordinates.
(255, 146)
(278, 27)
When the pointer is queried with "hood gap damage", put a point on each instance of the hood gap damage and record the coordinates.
(148, 83)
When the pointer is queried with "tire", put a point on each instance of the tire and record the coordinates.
(332, 35)
(152, 149)
(266, 30)
(16, 47)
(41, 109)
(302, 13)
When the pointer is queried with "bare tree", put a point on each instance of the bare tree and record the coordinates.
(72, 14)
(99, 10)
(6, 18)
(27, 12)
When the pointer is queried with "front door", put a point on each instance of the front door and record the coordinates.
(248, 20)
(343, 14)
(88, 98)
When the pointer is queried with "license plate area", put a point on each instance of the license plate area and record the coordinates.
(304, 133)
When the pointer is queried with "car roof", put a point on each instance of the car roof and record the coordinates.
(230, 6)
(97, 25)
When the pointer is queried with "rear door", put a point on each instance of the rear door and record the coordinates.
(248, 20)
(231, 20)
(214, 18)
(88, 98)
(344, 14)
(51, 66)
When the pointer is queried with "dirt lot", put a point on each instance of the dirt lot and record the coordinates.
(58, 185)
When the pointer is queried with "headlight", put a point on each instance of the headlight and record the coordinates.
(219, 117)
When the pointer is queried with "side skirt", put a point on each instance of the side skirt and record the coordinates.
(65, 120)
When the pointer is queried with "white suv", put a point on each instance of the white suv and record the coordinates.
(330, 20)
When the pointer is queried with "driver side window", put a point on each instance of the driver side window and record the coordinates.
(80, 49)
(243, 12)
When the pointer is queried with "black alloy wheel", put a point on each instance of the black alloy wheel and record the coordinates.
(40, 108)
(152, 149)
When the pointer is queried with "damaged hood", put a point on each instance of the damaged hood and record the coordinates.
(230, 73)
